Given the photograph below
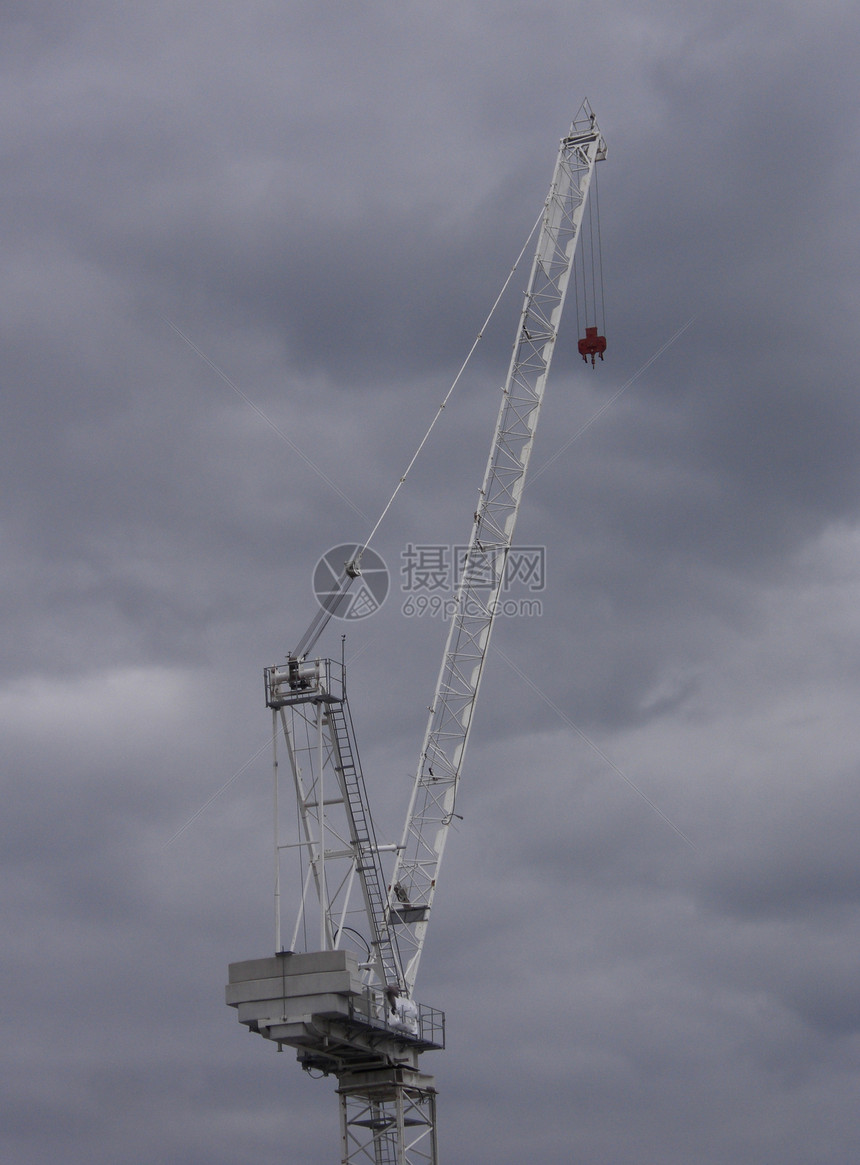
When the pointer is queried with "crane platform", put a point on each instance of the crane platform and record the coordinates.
(319, 1004)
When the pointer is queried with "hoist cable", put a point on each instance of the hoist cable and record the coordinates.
(599, 254)
(591, 256)
(577, 262)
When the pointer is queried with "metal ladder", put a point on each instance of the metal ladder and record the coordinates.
(363, 838)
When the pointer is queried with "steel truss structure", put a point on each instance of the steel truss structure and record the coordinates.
(336, 844)
(434, 793)
(388, 1119)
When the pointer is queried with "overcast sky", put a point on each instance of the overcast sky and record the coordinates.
(246, 248)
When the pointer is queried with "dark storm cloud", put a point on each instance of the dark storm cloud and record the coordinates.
(646, 930)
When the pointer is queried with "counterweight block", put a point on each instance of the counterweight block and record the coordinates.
(319, 1004)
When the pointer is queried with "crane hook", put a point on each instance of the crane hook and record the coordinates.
(592, 345)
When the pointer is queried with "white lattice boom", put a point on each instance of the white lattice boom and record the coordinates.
(431, 810)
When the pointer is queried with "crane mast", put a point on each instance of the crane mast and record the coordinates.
(431, 810)
(340, 989)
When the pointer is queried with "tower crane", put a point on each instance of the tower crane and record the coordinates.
(341, 990)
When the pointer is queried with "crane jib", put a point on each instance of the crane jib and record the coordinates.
(432, 806)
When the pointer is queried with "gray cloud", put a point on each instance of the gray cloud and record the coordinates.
(325, 200)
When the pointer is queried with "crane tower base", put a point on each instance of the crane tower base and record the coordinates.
(388, 1116)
